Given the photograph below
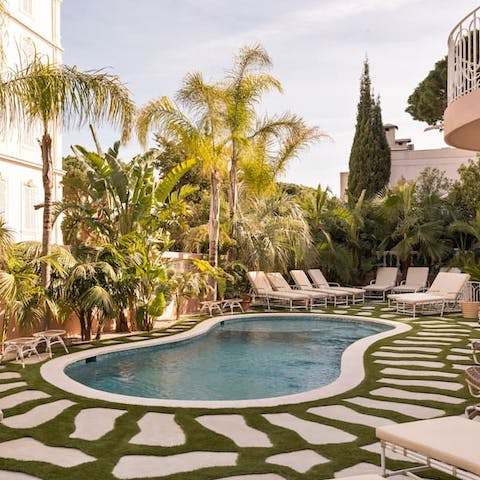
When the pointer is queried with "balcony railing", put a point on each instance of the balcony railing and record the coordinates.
(464, 57)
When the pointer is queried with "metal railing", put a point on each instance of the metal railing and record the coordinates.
(471, 292)
(464, 56)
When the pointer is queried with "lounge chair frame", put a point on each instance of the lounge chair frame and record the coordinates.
(319, 281)
(413, 441)
(376, 289)
(428, 462)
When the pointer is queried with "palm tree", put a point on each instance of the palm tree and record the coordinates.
(202, 134)
(244, 86)
(52, 94)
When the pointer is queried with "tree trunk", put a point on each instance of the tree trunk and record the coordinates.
(122, 322)
(233, 186)
(214, 222)
(47, 178)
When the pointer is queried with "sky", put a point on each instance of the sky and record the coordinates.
(317, 47)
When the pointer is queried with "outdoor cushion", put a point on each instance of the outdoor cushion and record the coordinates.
(452, 440)
(416, 298)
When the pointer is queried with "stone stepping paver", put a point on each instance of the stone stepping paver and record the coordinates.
(457, 366)
(461, 350)
(402, 355)
(33, 359)
(447, 330)
(110, 342)
(38, 415)
(431, 339)
(419, 342)
(364, 314)
(235, 427)
(414, 411)
(408, 395)
(340, 312)
(358, 469)
(432, 322)
(15, 399)
(31, 450)
(442, 334)
(147, 466)
(300, 461)
(84, 347)
(452, 386)
(345, 414)
(8, 386)
(460, 358)
(412, 349)
(4, 475)
(411, 363)
(312, 432)
(470, 324)
(388, 315)
(260, 476)
(9, 375)
(417, 373)
(159, 429)
(94, 423)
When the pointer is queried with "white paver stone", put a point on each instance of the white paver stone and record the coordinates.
(402, 355)
(235, 427)
(345, 414)
(8, 386)
(301, 460)
(33, 359)
(94, 423)
(135, 338)
(38, 415)
(412, 349)
(84, 346)
(5, 475)
(418, 342)
(312, 432)
(340, 312)
(147, 466)
(417, 373)
(364, 313)
(414, 411)
(110, 342)
(15, 399)
(457, 366)
(259, 476)
(31, 450)
(159, 429)
(408, 395)
(411, 363)
(442, 334)
(469, 324)
(461, 350)
(451, 386)
(388, 315)
(359, 469)
(460, 358)
(431, 339)
(9, 375)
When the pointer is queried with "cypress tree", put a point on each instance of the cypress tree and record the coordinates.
(370, 161)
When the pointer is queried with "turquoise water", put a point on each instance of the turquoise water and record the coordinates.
(241, 359)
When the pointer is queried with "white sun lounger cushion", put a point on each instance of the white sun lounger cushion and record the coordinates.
(416, 298)
(451, 440)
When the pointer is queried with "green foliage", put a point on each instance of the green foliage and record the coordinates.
(429, 99)
(370, 162)
(465, 194)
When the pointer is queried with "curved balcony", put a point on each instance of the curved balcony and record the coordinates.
(462, 116)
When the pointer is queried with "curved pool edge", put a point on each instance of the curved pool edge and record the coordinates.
(352, 370)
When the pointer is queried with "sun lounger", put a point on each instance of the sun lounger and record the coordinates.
(262, 289)
(475, 345)
(279, 284)
(384, 282)
(319, 281)
(416, 280)
(448, 444)
(443, 294)
(338, 297)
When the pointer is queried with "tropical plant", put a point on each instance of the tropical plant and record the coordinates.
(53, 94)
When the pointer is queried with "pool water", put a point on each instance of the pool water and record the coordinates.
(244, 358)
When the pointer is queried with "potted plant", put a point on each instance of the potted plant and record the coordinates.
(471, 303)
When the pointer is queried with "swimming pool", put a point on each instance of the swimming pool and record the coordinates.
(244, 358)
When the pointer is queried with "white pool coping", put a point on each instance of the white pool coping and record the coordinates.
(352, 371)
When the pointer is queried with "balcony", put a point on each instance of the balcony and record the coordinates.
(462, 116)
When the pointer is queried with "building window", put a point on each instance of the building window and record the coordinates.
(26, 6)
(29, 214)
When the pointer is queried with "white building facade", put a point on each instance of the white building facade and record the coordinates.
(30, 27)
(408, 163)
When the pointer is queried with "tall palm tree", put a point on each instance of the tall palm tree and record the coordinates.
(202, 133)
(52, 94)
(244, 86)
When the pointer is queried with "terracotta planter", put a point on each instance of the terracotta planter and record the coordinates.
(470, 309)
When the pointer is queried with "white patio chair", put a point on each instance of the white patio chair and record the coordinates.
(384, 282)
(319, 281)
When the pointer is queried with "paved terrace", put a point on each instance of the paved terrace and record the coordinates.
(49, 434)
